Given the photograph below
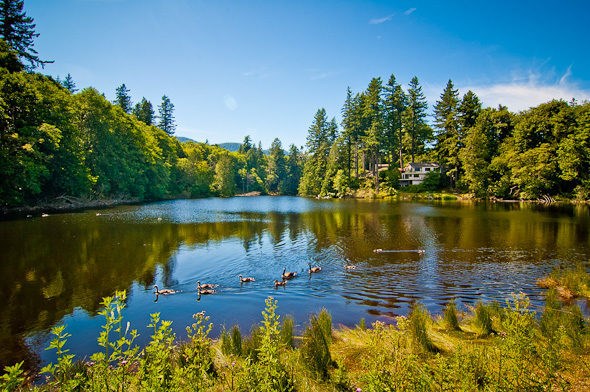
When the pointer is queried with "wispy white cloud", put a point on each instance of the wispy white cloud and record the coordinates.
(519, 96)
(384, 19)
(409, 11)
(260, 73)
(318, 74)
(230, 102)
(565, 76)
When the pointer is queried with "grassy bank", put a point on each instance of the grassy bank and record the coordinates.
(489, 347)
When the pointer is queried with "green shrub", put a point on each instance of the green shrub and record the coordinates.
(251, 345)
(418, 320)
(450, 316)
(325, 323)
(483, 318)
(12, 378)
(287, 332)
(231, 341)
(315, 349)
(194, 369)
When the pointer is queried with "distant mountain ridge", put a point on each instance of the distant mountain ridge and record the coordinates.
(230, 146)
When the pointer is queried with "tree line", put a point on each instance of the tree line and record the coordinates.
(56, 141)
(490, 152)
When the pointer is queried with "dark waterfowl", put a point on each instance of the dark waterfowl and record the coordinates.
(280, 283)
(313, 269)
(289, 274)
(246, 279)
(205, 286)
(164, 291)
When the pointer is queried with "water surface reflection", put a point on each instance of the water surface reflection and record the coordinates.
(58, 268)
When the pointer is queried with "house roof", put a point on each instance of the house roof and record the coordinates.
(416, 165)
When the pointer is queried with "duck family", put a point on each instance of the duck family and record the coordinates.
(209, 288)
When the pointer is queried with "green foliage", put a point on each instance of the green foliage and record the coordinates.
(450, 316)
(231, 341)
(526, 354)
(12, 378)
(418, 320)
(60, 372)
(287, 329)
(18, 30)
(446, 119)
(195, 368)
(269, 373)
(315, 349)
(123, 99)
(483, 318)
(319, 141)
(166, 116)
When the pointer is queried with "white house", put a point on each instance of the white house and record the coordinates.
(415, 172)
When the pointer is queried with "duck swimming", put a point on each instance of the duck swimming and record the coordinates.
(288, 275)
(246, 279)
(313, 269)
(164, 291)
(205, 286)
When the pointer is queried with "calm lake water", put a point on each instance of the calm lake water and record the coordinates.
(57, 269)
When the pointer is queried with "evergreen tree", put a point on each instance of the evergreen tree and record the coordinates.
(166, 115)
(275, 169)
(18, 30)
(318, 149)
(246, 145)
(469, 109)
(394, 104)
(144, 111)
(69, 84)
(414, 119)
(351, 130)
(9, 58)
(123, 99)
(373, 125)
(292, 170)
(446, 120)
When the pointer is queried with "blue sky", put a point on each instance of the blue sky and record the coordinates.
(263, 68)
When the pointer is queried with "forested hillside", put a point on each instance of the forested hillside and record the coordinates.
(543, 152)
(58, 142)
(55, 143)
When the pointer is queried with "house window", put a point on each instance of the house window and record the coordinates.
(416, 175)
(426, 169)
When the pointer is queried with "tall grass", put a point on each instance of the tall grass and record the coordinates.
(483, 318)
(315, 349)
(418, 319)
(527, 353)
(450, 316)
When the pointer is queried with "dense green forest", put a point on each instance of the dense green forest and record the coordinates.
(543, 152)
(61, 143)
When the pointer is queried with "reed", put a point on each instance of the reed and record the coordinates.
(450, 316)
(418, 320)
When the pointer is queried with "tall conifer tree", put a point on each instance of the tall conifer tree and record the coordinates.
(446, 119)
(69, 84)
(166, 115)
(144, 111)
(394, 104)
(414, 119)
(123, 99)
(18, 30)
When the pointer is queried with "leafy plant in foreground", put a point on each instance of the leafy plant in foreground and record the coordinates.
(315, 350)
